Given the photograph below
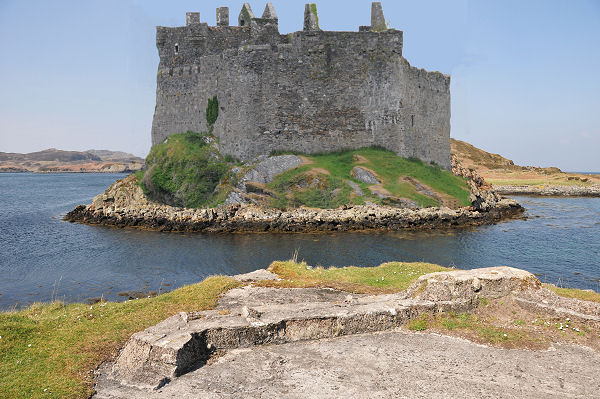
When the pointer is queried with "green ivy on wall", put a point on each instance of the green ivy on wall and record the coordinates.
(212, 111)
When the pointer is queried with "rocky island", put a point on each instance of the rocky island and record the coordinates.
(353, 190)
(348, 135)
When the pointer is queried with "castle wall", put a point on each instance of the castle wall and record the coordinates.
(306, 91)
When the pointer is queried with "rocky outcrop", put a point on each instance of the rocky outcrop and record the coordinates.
(468, 173)
(482, 199)
(469, 285)
(550, 191)
(263, 172)
(125, 205)
(251, 316)
(364, 175)
(268, 167)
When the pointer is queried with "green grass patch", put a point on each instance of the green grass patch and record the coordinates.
(189, 172)
(385, 278)
(454, 321)
(574, 293)
(185, 171)
(321, 191)
(50, 350)
(419, 324)
(483, 331)
(390, 169)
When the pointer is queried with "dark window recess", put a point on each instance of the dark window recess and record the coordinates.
(412, 120)
(176, 48)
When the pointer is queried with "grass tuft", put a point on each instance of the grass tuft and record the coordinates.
(419, 324)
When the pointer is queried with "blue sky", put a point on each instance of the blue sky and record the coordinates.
(525, 74)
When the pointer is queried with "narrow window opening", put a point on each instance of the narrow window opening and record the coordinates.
(412, 120)
(176, 48)
(242, 22)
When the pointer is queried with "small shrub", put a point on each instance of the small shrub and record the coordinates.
(212, 111)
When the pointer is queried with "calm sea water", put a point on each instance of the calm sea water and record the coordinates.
(42, 257)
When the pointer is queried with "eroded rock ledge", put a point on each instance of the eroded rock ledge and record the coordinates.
(252, 316)
(125, 205)
(550, 191)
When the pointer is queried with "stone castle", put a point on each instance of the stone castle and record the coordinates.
(308, 91)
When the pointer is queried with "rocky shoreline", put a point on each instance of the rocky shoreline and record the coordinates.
(125, 205)
(550, 191)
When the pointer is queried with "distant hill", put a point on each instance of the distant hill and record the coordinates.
(121, 156)
(499, 171)
(54, 160)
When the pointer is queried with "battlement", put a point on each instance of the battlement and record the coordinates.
(310, 91)
(182, 45)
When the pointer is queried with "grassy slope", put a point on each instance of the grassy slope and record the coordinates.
(498, 170)
(389, 167)
(185, 171)
(55, 348)
(50, 350)
(68, 342)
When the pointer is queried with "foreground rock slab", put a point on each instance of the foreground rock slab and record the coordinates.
(392, 364)
(250, 316)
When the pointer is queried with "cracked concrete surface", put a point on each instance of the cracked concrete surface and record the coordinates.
(268, 342)
(392, 364)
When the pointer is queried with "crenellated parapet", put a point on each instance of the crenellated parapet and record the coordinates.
(310, 91)
(182, 45)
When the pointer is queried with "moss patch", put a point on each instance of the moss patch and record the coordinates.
(313, 10)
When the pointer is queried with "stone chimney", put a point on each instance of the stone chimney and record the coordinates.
(377, 19)
(311, 19)
(223, 16)
(192, 18)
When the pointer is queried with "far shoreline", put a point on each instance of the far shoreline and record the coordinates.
(557, 191)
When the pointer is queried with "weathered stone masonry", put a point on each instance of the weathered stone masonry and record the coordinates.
(309, 91)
